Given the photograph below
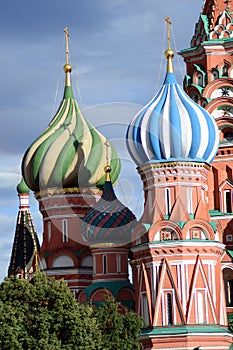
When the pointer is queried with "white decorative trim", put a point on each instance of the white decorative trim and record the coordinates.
(60, 272)
(62, 216)
(175, 244)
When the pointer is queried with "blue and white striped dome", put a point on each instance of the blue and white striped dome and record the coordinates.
(172, 127)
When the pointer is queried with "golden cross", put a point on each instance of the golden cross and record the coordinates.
(67, 44)
(106, 143)
(169, 23)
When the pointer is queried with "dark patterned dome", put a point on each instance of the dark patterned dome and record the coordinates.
(109, 222)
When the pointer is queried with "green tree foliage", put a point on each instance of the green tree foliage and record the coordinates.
(43, 315)
(119, 330)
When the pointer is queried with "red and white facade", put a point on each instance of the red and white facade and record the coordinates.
(177, 261)
(209, 81)
(64, 254)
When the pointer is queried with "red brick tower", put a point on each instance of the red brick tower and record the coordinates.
(177, 249)
(107, 227)
(64, 167)
(209, 81)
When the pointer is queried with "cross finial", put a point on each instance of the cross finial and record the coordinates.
(169, 23)
(67, 44)
(106, 143)
(169, 53)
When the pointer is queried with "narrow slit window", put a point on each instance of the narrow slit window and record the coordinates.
(49, 231)
(118, 263)
(64, 231)
(104, 264)
(169, 309)
(168, 201)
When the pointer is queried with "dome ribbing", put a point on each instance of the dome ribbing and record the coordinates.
(70, 152)
(172, 127)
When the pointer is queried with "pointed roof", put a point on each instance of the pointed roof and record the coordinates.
(70, 152)
(215, 22)
(26, 244)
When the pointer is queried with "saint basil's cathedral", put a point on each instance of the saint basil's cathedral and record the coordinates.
(181, 249)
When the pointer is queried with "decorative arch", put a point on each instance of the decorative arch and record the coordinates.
(221, 108)
(99, 295)
(204, 226)
(215, 74)
(225, 68)
(125, 294)
(62, 261)
(194, 93)
(167, 226)
(140, 234)
(81, 296)
(213, 85)
(86, 261)
(228, 284)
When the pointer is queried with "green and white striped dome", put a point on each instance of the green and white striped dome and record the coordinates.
(70, 152)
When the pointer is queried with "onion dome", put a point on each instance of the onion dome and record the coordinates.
(172, 127)
(22, 188)
(70, 152)
(108, 222)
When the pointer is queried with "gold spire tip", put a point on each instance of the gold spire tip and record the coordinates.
(67, 66)
(107, 170)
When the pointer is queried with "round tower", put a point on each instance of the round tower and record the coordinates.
(177, 249)
(107, 228)
(64, 168)
(209, 81)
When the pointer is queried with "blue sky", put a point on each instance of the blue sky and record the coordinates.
(116, 50)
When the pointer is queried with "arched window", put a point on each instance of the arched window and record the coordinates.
(169, 308)
(225, 70)
(215, 74)
(227, 201)
(49, 231)
(228, 135)
(168, 201)
(229, 172)
(63, 261)
(200, 307)
(94, 265)
(64, 231)
(199, 79)
(189, 200)
(228, 284)
(104, 264)
(118, 263)
(145, 308)
(230, 293)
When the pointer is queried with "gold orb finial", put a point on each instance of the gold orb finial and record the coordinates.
(67, 68)
(169, 53)
(107, 169)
